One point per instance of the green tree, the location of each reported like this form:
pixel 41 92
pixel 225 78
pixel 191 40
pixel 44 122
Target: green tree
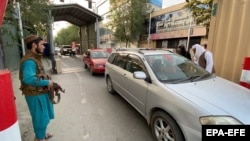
pixel 67 35
pixel 34 14
pixel 127 18
pixel 201 11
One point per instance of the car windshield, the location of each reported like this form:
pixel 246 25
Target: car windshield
pixel 66 47
pixel 172 68
pixel 99 54
pixel 57 48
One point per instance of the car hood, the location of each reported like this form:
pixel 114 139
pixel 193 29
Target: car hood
pixel 217 96
pixel 99 60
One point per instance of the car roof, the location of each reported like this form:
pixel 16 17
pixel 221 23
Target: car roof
pixel 66 46
pixel 97 49
pixel 145 51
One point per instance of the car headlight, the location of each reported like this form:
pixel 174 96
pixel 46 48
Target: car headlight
pixel 219 120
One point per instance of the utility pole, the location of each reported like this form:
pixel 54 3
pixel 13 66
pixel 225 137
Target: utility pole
pixel 20 27
pixel 149 26
pixel 189 31
pixel 51 44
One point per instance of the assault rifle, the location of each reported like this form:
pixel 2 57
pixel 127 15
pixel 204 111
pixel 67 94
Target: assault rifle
pixel 54 91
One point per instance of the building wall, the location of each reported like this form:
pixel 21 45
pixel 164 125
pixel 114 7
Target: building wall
pixel 170 27
pixel 229 37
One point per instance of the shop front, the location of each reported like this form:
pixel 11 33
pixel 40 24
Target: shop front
pixel 173 26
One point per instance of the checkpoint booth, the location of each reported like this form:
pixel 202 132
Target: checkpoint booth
pixel 9 126
pixel 245 73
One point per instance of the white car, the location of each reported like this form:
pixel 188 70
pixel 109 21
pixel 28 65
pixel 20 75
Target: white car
pixel 175 95
pixel 57 50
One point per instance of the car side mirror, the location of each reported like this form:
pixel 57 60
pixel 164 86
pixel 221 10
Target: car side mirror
pixel 139 75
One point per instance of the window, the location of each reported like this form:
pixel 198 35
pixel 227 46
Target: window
pixel 120 60
pixel 134 64
pixel 112 57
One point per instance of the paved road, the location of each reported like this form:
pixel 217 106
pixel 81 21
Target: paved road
pixel 87 112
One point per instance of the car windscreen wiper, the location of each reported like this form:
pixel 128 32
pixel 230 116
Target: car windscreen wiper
pixel 190 78
pixel 203 76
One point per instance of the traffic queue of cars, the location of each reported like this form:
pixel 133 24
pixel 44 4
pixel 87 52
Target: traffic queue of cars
pixel 175 96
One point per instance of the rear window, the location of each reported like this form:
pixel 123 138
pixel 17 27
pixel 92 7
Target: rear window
pixel 66 46
pixel 99 54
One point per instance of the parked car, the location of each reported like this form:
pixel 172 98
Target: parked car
pixel 67 49
pixel 57 50
pixel 175 95
pixel 95 60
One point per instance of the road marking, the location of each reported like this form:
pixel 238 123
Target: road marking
pixel 72 69
pixel 68 56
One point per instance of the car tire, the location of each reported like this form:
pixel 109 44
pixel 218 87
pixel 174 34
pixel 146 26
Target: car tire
pixel 91 71
pixel 110 85
pixel 164 127
pixel 85 66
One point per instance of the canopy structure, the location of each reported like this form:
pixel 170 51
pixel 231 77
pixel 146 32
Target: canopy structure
pixel 75 14
pixel 79 16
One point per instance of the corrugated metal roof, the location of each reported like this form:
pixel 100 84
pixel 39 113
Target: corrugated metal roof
pixel 74 14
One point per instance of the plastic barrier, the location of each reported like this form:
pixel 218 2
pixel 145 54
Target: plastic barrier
pixel 245 74
pixel 9 126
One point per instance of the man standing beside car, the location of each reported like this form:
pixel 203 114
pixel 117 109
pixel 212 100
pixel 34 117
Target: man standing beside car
pixel 203 57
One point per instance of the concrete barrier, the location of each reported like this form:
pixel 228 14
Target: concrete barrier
pixel 58 66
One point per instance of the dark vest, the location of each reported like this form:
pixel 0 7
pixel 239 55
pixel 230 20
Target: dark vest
pixel 202 62
pixel 28 89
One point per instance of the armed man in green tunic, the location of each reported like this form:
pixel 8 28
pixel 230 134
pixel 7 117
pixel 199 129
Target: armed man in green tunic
pixel 32 87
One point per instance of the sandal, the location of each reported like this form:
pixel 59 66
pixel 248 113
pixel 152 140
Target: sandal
pixel 48 136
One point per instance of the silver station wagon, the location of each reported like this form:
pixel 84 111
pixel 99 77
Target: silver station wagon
pixel 175 95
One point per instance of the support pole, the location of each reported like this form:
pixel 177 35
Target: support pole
pixel 20 28
pixel 149 28
pixel 189 32
pixel 51 43
pixel 97 34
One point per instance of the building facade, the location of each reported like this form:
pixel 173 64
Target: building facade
pixel 174 25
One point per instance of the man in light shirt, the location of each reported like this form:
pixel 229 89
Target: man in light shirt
pixel 203 57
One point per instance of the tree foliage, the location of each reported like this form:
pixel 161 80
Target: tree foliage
pixel 66 35
pixel 34 15
pixel 201 11
pixel 127 18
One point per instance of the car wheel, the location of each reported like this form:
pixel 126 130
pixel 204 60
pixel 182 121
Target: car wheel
pixel 85 66
pixel 91 71
pixel 164 128
pixel 110 86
